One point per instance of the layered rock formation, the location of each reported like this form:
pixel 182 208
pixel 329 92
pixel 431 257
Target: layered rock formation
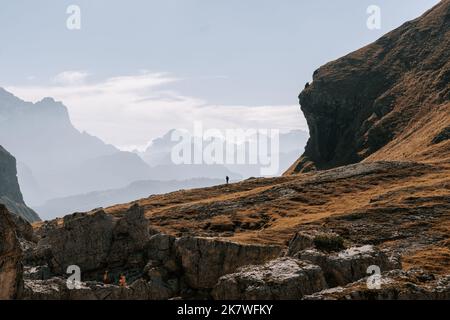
pixel 386 101
pixel 281 279
pixel 10 194
pixel 10 257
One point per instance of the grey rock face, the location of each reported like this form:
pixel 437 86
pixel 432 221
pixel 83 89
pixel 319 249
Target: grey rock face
pixel 10 257
pixel 94 241
pixel 281 279
pixel 204 261
pixel 314 239
pixel 97 241
pixel 349 265
pixel 395 285
pixel 10 194
pixel 361 102
pixel 56 289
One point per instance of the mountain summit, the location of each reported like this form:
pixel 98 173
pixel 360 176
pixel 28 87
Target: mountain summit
pixel 54 158
pixel 386 101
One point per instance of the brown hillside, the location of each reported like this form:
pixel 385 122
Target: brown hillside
pixel 386 101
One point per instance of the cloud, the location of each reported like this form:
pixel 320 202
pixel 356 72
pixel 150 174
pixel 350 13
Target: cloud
pixel 129 111
pixel 70 77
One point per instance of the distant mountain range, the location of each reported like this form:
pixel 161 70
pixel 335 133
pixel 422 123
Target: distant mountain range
pixel 139 189
pixel 54 158
pixel 61 170
pixel 158 155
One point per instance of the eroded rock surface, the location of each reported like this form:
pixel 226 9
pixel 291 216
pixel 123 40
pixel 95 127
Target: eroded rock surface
pixel 349 265
pixel 205 260
pixel 281 279
pixel 394 285
pixel 10 257
pixel 387 98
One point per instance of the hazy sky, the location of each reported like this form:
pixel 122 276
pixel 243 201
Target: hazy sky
pixel 139 68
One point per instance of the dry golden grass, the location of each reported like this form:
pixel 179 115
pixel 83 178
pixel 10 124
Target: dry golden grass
pixel 433 259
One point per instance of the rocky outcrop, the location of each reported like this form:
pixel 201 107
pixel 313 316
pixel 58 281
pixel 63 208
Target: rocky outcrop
pixel 310 271
pixel 327 241
pixel 394 285
pixel 97 241
pixel 10 257
pixel 57 289
pixel 390 98
pixel 206 260
pixel 349 265
pixel 10 194
pixel 281 279
pixel 94 241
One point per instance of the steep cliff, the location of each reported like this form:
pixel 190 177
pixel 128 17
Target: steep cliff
pixel 10 194
pixel 386 101
pixel 10 257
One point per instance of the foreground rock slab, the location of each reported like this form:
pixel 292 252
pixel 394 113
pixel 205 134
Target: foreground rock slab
pixel 394 285
pixel 57 289
pixel 349 265
pixel 282 279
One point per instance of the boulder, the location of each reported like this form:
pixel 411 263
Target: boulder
pixel 56 289
pixel 394 285
pixel 325 241
pixel 204 261
pixel 349 265
pixel 80 239
pixel 94 241
pixel 281 279
pixel 129 238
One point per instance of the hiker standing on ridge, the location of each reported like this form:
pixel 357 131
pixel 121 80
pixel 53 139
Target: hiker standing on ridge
pixel 228 179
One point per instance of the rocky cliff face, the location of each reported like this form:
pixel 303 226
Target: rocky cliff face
pixel 10 194
pixel 389 100
pixel 10 257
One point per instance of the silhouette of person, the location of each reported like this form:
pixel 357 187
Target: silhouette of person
pixel 106 279
pixel 228 179
pixel 122 281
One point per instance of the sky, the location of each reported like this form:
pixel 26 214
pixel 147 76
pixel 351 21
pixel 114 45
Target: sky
pixel 138 68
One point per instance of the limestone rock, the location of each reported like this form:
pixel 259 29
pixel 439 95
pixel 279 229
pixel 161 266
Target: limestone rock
pixel 349 265
pixel 327 241
pixel 56 289
pixel 394 285
pixel 280 279
pixel 204 261
pixel 375 99
pixel 94 241
pixel 10 257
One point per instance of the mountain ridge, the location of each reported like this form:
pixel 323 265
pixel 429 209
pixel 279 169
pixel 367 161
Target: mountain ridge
pixel 378 102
